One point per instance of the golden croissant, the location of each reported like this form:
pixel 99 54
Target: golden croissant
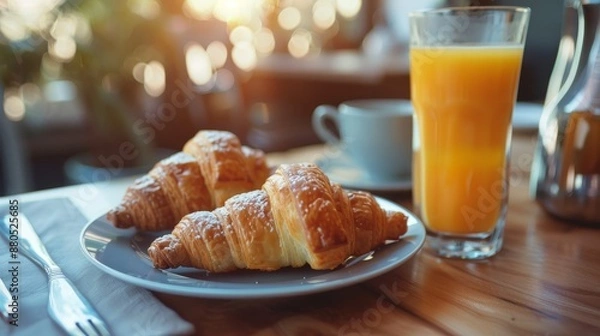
pixel 299 217
pixel 212 167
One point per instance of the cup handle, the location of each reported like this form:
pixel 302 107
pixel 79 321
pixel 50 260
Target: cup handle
pixel 321 114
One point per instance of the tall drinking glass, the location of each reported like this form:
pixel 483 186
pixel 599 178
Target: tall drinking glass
pixel 464 68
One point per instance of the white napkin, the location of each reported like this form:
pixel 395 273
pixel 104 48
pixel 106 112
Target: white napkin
pixel 127 309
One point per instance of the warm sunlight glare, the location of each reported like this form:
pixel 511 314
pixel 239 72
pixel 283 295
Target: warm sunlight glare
pixel 199 66
pixel 217 51
pixel 289 18
pixel 244 56
pixel 230 10
pixel 348 8
pixel 199 9
pixel 154 78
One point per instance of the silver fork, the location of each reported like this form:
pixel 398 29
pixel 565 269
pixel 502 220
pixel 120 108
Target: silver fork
pixel 5 300
pixel 66 305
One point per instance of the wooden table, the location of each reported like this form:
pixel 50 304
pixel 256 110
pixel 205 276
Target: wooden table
pixel 545 281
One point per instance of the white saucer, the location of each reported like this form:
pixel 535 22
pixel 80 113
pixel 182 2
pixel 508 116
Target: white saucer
pixel 526 116
pixel 340 169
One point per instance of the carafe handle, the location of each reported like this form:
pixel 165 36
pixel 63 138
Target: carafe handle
pixel 560 83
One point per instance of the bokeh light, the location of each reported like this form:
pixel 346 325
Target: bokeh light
pixel 264 41
pixel 257 28
pixel 348 8
pixel 244 56
pixel 154 78
pixel 13 28
pixel 234 11
pixel 323 14
pixel 199 66
pixel 217 52
pixel 225 80
pixel 241 34
pixel 14 106
pixel 83 31
pixel 199 9
pixel 29 13
pixel 289 18
pixel 299 44
pixel 148 9
pixel 225 10
pixel 65 25
pixel 255 23
pixel 138 72
pixel 63 48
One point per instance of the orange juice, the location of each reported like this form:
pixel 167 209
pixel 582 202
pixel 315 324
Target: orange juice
pixel 581 146
pixel 463 99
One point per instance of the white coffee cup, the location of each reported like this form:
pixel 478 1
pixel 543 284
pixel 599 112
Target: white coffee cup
pixel 376 134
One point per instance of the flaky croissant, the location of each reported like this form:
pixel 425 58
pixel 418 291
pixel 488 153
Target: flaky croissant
pixel 212 167
pixel 299 217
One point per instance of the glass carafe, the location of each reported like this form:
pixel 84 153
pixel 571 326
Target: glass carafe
pixel 566 169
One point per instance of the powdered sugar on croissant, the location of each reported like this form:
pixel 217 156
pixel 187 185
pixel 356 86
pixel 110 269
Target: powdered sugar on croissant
pixel 299 217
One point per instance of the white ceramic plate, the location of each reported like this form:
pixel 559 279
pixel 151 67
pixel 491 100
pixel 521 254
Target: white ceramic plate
pixel 526 116
pixel 340 169
pixel 122 254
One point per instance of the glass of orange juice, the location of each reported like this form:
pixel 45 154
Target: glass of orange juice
pixel 465 64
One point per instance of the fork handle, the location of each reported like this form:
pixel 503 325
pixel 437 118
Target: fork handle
pixel 64 298
pixel 30 243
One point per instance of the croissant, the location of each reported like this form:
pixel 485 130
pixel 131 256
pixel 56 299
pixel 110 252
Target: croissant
pixel 298 217
pixel 212 167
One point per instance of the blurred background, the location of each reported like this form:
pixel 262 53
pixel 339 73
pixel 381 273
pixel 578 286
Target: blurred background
pixel 118 84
